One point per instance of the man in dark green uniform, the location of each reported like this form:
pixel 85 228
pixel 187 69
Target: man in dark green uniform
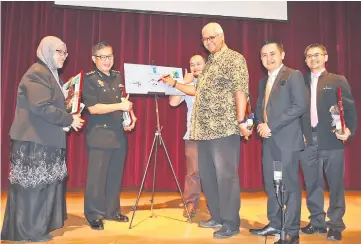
pixel 105 137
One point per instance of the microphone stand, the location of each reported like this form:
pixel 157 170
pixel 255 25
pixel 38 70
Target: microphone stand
pixel 157 139
pixel 281 188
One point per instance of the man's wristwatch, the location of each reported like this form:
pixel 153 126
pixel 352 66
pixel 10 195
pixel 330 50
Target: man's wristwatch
pixel 175 83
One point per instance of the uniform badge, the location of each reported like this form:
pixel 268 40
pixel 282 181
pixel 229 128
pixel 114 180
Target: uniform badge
pixel 120 85
pixel 100 83
pixel 90 73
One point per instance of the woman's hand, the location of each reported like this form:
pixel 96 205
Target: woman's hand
pixel 77 122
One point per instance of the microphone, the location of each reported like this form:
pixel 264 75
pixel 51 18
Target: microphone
pixel 277 175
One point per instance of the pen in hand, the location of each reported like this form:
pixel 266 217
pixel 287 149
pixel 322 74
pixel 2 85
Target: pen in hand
pixel 164 77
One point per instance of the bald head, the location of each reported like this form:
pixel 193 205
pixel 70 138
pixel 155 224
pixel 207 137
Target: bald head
pixel 213 37
pixel 197 57
pixel 215 27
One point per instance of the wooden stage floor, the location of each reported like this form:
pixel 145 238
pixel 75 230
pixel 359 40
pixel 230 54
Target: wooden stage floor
pixel 168 225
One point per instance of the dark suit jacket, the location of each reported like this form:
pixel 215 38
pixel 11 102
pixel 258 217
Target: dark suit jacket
pixel 286 104
pixel 40 109
pixel 326 97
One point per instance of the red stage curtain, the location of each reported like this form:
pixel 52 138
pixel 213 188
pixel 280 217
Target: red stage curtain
pixel 171 41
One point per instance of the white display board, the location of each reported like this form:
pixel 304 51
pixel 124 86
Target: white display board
pixel 143 79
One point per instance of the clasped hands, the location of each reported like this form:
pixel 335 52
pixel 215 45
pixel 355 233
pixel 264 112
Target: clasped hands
pixel 264 131
pixel 77 122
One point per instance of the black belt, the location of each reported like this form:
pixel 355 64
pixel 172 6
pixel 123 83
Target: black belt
pixel 313 129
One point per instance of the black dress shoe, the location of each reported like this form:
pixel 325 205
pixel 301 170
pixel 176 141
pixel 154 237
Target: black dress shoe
pixel 265 231
pixel 96 224
pixel 209 224
pixel 119 218
pixel 309 229
pixel 334 235
pixel 225 232
pixel 289 240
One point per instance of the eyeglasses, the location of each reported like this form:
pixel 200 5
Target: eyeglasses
pixel 104 57
pixel 62 53
pixel 316 55
pixel 210 38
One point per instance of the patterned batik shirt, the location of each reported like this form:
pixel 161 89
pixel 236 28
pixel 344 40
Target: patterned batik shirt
pixel 214 109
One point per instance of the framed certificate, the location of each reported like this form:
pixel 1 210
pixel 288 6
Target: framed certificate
pixel 74 87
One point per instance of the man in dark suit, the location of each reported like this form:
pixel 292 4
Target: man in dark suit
pixel 325 149
pixel 105 137
pixel 281 103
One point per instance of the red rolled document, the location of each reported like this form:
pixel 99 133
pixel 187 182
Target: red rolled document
pixel 340 106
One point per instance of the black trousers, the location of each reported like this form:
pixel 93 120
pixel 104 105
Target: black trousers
pixel 104 179
pixel 313 162
pixel 218 167
pixel 290 178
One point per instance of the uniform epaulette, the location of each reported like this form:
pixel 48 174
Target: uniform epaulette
pixel 90 73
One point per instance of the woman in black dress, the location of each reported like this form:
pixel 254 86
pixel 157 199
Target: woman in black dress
pixel 36 197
